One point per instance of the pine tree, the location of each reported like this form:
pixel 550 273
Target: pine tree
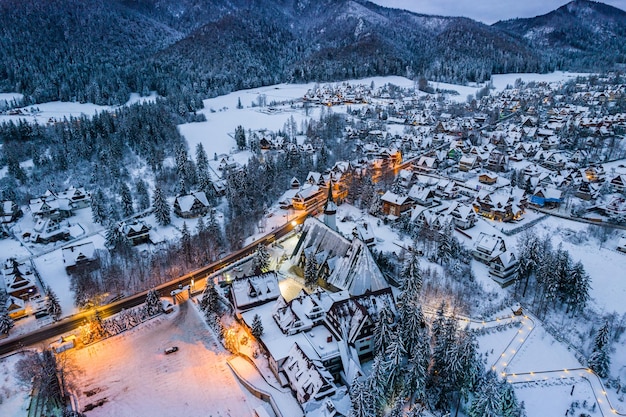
pixel 257 326
pixel 393 366
pixel 310 271
pixel 209 303
pixel 161 207
pixel 52 304
pixel 383 331
pixel 6 323
pixel 445 246
pixel 578 288
pixel 127 200
pixel 361 399
pixel 599 360
pixel 98 207
pixel 261 261
pixel 411 279
pixel 153 303
pixel 185 243
pixel 202 161
pixel 488 401
pixel 508 400
pixel 143 198
pixel 240 138
pixel 417 370
pixel 375 386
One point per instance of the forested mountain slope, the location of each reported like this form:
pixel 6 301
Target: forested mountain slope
pixel 101 50
pixel 581 35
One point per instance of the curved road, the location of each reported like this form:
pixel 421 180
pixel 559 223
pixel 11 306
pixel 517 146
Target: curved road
pixel 73 322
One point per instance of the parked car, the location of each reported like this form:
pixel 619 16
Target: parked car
pixel 171 349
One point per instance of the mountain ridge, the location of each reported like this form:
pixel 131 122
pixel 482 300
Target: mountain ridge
pixel 187 50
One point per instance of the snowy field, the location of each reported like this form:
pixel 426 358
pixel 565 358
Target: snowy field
pixel 14 397
pixel 57 110
pixel 131 376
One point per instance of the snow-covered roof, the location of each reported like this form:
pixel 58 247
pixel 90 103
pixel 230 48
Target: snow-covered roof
pixel 250 291
pixel 73 255
pixel 310 382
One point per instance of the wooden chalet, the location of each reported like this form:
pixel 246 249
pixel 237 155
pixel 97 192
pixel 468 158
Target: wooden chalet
pixel 80 257
pixel 191 205
pixel 136 232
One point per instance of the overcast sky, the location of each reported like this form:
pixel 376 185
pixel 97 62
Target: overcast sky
pixel 487 11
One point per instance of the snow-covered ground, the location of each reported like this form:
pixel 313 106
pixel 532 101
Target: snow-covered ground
pixel 14 397
pixel 132 376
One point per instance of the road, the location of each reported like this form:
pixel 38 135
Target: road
pixel 73 322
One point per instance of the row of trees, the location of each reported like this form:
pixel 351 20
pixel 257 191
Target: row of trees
pixel 552 277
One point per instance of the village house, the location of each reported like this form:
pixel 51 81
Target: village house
pixel 501 205
pixel 618 183
pixel 15 307
pixel 463 215
pixel 191 205
pixel 616 208
pixel 394 205
pixel 249 292
pixel 136 232
pixel 307 197
pixel 19 279
pixel 548 196
pixel 491 250
pixel 80 257
pixel 468 163
pixel 48 230
pixel 78 197
pixel 342 264
pixel 50 207
pixel 421 195
pixel 10 211
pixel 497 161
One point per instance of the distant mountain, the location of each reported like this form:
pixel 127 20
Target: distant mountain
pixel 582 34
pixel 100 50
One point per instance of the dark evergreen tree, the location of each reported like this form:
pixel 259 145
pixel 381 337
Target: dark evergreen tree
pixel 6 323
pixel 600 360
pixel 127 200
pixel 240 137
pixel 488 400
pixel 98 206
pixel 153 303
pixel 508 400
pixel 361 399
pixel 261 260
pixel 310 271
pixel 143 198
pixel 161 207
pixel 210 300
pixel 384 330
pixel 186 246
pixel 53 307
pixel 257 326
pixel 394 367
pixel 202 161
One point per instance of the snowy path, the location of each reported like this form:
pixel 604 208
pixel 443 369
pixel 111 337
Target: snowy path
pixel 282 399
pixel 503 364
